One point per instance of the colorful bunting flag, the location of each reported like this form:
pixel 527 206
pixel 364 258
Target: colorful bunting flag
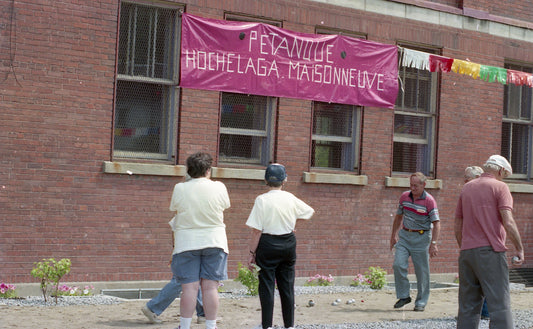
pixel 464 67
pixel 519 78
pixel 440 63
pixel 434 63
pixel 491 74
pixel 415 59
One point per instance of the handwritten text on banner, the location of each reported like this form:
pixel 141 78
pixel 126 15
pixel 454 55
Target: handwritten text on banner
pixel 260 59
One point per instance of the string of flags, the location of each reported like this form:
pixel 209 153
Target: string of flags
pixel 435 63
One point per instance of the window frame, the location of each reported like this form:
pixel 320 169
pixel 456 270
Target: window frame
pixel 267 148
pixel 527 122
pixel 266 152
pixel 354 140
pixel 430 136
pixel 168 138
pixel 357 118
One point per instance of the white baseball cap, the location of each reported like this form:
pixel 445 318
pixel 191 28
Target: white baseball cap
pixel 501 162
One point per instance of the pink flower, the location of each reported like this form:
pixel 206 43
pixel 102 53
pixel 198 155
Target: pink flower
pixel 7 290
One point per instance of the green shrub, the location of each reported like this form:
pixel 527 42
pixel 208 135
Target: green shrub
pixel 375 277
pixel 249 278
pixel 50 272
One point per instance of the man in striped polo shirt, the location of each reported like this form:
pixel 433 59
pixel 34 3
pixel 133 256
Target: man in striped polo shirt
pixel 415 232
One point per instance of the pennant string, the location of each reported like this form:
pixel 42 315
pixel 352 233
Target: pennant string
pixel 491 74
pixel 400 59
pixel 415 59
pixel 440 63
pixel 435 63
pixel 518 78
pixel 467 68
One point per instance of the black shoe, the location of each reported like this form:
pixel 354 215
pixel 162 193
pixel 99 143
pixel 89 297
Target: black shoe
pixel 402 302
pixel 419 309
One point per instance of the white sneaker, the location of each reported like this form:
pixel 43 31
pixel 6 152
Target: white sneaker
pixel 152 317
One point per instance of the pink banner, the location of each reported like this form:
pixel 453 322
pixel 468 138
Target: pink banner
pixel 260 59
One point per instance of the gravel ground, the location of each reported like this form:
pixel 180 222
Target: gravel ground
pixel 107 300
pixel 61 301
pixel 523 319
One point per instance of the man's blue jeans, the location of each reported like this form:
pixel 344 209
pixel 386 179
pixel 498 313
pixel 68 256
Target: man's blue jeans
pixel 168 294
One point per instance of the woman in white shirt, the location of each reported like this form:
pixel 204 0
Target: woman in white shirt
pixel 200 243
pixel 273 244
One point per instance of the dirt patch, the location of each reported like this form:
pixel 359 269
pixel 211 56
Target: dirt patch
pixel 244 313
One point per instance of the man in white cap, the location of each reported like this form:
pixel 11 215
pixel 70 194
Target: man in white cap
pixel 483 219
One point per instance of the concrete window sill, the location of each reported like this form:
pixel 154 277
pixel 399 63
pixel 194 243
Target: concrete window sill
pixel 323 178
pixel 404 182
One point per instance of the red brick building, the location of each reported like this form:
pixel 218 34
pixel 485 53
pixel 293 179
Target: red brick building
pixel 95 131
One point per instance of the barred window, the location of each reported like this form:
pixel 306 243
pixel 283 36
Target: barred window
pixel 415 117
pixel 336 127
pixel 517 125
pixel 335 139
pixel 246 128
pixel 146 82
pixel 246 121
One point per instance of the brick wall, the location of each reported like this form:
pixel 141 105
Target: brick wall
pixel 56 131
pixel 519 10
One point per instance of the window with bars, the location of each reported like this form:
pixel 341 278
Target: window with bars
pixel 415 116
pixel 517 125
pixel 336 127
pixel 146 82
pixel 335 138
pixel 246 121
pixel 246 128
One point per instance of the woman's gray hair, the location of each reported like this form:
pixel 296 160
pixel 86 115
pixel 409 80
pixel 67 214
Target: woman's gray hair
pixel 473 172
pixel 491 167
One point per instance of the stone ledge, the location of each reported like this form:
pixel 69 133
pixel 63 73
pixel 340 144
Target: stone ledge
pixel 520 188
pixel 323 178
pixel 404 182
pixel 253 174
pixel 135 168
pixel 157 169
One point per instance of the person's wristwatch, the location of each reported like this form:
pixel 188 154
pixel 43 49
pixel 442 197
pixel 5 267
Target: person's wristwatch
pixel 434 242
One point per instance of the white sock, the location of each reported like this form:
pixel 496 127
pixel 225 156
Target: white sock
pixel 210 324
pixel 185 323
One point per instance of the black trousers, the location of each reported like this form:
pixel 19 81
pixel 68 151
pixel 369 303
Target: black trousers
pixel 276 256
